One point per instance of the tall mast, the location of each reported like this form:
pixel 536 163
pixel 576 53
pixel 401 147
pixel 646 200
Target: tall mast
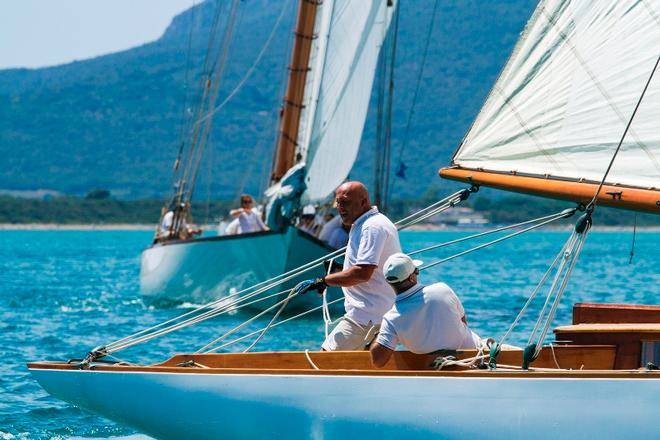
pixel 293 100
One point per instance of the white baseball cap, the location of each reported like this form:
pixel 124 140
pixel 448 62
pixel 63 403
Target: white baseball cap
pixel 399 266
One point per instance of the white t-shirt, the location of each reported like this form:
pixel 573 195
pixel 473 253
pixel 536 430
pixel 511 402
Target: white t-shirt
pixel 166 223
pixel 426 319
pixel 372 239
pixel 250 222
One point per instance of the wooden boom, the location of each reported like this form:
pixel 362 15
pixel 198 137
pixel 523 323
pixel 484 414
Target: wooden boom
pixel 635 199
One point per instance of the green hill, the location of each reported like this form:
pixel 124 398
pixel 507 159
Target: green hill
pixel 114 121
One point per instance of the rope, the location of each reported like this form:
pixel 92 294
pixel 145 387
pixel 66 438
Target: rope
pixel 309 359
pixel 273 319
pixel 245 323
pixel 277 324
pixel 327 319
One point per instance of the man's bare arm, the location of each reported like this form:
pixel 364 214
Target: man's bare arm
pixel 351 276
pixel 379 354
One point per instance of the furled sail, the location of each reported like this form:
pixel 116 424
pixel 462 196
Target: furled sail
pixel 562 102
pixel 344 54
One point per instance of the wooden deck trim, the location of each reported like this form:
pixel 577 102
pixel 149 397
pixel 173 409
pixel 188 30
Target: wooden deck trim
pixel 609 328
pixel 595 358
pixel 531 374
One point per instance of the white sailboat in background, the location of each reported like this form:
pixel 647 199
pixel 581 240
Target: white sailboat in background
pixel 578 77
pixel 330 80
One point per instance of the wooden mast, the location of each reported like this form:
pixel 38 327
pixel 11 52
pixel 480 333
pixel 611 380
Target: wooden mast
pixel 636 199
pixel 293 100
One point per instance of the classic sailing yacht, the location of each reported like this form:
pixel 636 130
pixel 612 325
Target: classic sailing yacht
pixel 330 80
pixel 578 98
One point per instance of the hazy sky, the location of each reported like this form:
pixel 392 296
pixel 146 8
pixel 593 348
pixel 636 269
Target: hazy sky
pixel 36 33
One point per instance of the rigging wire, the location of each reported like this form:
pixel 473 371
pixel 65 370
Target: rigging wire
pixel 418 83
pixel 625 132
pixel 388 117
pixel 632 246
pixel 252 68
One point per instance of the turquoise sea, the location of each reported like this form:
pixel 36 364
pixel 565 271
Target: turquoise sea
pixel 65 292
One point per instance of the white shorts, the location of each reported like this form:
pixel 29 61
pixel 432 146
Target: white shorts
pixel 349 335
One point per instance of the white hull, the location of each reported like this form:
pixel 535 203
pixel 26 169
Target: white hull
pixel 202 270
pixel 300 406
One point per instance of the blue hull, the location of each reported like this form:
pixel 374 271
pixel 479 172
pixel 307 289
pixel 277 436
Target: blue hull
pixel 201 270
pixel 306 406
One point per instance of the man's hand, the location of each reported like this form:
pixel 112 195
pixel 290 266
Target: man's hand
pixel 317 284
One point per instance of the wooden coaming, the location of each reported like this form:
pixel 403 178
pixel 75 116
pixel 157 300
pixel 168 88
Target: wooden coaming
pixel 592 313
pixel 626 337
pixel 595 361
pixel 637 199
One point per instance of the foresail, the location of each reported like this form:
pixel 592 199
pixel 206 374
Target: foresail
pixel 343 62
pixel 562 102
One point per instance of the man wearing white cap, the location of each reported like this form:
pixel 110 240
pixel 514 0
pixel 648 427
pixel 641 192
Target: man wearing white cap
pixel 424 318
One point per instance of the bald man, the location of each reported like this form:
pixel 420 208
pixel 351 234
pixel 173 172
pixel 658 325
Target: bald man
pixel 372 239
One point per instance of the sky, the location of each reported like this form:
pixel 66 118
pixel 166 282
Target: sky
pixel 38 33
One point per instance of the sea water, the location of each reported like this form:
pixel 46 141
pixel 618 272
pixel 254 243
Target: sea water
pixel 65 292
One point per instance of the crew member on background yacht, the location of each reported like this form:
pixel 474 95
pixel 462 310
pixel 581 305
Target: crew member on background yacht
pixel 424 318
pixel 248 217
pixel 372 239
pixel 307 223
pixel 185 230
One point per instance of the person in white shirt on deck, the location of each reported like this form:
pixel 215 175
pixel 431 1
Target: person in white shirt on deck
pixel 372 239
pixel 424 318
pixel 249 219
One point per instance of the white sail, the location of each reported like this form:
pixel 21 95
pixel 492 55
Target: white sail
pixel 562 102
pixel 343 62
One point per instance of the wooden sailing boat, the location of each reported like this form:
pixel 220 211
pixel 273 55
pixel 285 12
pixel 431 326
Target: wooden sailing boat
pixel 596 383
pixel 325 107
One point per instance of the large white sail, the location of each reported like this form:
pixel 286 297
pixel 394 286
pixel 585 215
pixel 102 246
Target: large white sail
pixel 343 62
pixel 562 102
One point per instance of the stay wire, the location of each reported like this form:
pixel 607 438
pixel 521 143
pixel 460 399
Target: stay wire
pixel 623 136
pixel 562 288
pixel 492 242
pixel 418 83
pixel 564 214
pixel 252 68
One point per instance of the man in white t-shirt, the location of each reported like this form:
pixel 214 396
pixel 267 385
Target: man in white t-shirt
pixel 372 238
pixel 424 318
pixel 248 217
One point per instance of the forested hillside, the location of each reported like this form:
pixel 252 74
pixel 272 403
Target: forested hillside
pixel 114 121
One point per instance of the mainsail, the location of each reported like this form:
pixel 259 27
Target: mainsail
pixel 349 35
pixel 563 100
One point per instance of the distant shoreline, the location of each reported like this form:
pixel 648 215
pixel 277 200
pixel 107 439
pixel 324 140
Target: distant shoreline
pixel 152 227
